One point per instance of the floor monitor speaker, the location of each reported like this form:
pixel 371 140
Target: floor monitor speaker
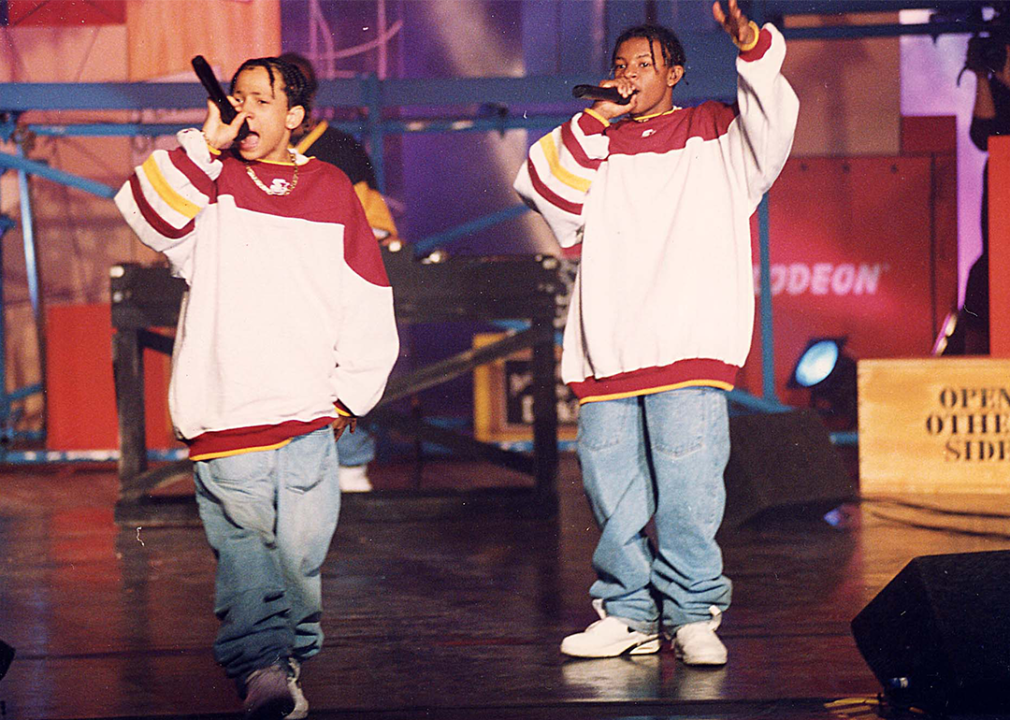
pixel 938 635
pixel 782 462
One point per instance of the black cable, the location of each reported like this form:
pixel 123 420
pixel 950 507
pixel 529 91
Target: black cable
pixel 939 528
pixel 935 509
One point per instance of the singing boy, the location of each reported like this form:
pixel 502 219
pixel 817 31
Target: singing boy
pixel 660 320
pixel 287 328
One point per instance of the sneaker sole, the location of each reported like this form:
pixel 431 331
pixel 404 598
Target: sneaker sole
pixel 646 648
pixel 272 710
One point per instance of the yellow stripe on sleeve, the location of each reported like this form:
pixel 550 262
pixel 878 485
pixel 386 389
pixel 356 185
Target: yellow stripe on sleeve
pixel 174 200
pixel 568 178
pixel 593 113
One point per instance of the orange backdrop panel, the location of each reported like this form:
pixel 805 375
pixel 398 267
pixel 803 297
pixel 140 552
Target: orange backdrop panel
pixel 80 393
pixel 164 36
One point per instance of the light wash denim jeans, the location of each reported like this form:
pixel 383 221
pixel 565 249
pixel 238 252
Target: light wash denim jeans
pixel 661 456
pixel 357 448
pixel 270 516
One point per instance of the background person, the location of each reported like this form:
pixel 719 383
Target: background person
pixel 316 138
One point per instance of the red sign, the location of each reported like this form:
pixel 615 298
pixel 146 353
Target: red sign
pixel 855 252
pixel 46 13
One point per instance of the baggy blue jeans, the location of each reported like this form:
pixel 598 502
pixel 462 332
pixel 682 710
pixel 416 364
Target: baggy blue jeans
pixel 657 456
pixel 270 516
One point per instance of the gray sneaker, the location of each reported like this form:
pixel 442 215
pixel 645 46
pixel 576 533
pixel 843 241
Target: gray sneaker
pixel 301 709
pixel 267 696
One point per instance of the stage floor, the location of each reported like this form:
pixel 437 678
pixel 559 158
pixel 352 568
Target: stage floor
pixel 446 619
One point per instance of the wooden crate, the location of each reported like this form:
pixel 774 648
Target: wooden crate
pixel 938 425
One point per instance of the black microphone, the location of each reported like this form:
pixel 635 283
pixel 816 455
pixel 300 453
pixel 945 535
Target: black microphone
pixel 214 91
pixel 595 92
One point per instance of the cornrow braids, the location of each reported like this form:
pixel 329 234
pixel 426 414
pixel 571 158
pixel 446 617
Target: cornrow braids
pixel 673 51
pixel 296 85
pixel 302 63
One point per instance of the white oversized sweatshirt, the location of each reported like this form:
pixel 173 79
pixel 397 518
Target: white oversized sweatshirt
pixel 664 296
pixel 288 318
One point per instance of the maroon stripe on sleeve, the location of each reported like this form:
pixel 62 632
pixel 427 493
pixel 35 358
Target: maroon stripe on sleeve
pixel 153 218
pixel 550 196
pixel 572 145
pixel 758 51
pixel 361 249
pixel 193 173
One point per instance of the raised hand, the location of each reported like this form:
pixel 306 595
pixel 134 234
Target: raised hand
pixel 735 23
pixel 216 132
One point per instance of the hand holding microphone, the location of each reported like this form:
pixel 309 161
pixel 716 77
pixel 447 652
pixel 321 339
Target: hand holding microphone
pixel 226 116
pixel 612 96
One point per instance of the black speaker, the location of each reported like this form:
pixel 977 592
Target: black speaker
pixel 938 635
pixel 6 657
pixel 782 462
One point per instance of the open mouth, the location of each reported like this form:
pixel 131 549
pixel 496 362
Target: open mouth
pixel 250 141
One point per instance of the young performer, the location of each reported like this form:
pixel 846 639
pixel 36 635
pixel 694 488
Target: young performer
pixel 287 328
pixel 316 138
pixel 661 319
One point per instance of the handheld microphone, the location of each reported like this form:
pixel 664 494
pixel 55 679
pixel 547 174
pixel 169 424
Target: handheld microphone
pixel 214 91
pixel 595 92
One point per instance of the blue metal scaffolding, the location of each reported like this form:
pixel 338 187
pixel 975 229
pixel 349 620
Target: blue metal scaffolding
pixel 522 99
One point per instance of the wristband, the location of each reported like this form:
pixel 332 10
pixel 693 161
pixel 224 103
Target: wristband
pixel 213 150
pixel 753 43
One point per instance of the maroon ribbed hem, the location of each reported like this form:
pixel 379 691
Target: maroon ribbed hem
pixel 220 443
pixel 684 373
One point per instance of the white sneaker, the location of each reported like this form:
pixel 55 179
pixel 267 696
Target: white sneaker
pixel 301 709
pixel 697 644
pixel 354 478
pixel 609 637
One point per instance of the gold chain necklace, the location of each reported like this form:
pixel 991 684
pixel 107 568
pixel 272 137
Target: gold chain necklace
pixel 279 187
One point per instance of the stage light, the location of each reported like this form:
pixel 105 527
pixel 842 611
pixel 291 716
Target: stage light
pixel 435 257
pixel 6 658
pixel 943 340
pixel 830 375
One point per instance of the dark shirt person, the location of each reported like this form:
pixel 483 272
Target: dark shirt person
pixel 990 117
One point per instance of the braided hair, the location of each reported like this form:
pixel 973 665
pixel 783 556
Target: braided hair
pixel 296 85
pixel 673 51
pixel 302 63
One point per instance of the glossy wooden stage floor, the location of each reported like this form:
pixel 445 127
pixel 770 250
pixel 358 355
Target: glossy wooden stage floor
pixel 446 620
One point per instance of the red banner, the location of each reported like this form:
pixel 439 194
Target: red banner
pixel 857 251
pixel 47 13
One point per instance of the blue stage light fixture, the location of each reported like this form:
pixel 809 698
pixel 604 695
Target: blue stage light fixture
pixel 817 362
pixel 830 375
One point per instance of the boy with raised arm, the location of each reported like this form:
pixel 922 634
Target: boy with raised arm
pixel 660 320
